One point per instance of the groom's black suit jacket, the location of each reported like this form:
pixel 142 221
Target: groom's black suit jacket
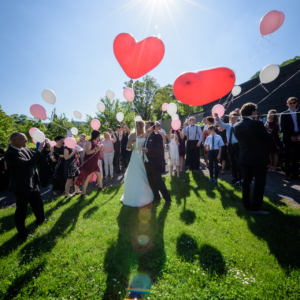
pixel 154 144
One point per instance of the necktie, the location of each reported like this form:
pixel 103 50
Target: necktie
pixel 213 142
pixel 296 128
pixel 230 135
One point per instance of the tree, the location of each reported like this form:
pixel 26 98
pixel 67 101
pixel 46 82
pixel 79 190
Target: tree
pixel 144 95
pixel 6 128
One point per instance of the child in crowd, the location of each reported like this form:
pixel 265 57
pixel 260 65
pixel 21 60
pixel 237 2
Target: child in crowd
pixel 173 154
pixel 213 145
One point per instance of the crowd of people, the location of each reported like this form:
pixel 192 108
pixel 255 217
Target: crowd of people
pixel 251 146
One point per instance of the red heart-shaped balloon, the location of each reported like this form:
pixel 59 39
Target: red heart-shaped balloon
pixel 202 87
pixel 138 58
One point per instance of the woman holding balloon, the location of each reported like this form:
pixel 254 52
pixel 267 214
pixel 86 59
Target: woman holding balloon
pixel 90 164
pixel 108 153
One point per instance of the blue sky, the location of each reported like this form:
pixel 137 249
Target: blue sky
pixel 67 46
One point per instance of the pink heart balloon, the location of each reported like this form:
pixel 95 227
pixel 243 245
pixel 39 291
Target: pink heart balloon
pixel 70 142
pixel 176 124
pixel 128 94
pixel 219 109
pixel 271 22
pixel 95 124
pixel 164 107
pixel 38 111
pixel 32 130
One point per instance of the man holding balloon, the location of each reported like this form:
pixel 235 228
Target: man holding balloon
pixel 24 180
pixel 194 139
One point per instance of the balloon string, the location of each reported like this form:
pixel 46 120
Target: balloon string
pixel 59 125
pixel 264 87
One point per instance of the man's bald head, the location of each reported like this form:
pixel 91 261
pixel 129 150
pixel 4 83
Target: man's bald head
pixel 18 140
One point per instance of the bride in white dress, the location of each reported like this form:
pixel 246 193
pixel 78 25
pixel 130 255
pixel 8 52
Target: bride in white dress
pixel 137 191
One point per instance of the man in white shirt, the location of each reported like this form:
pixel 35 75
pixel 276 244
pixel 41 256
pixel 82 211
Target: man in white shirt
pixel 194 139
pixel 215 143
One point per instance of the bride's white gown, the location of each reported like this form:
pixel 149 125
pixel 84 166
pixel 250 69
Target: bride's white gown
pixel 137 191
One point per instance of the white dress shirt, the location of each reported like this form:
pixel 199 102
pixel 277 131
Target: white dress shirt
pixel 218 142
pixel 194 132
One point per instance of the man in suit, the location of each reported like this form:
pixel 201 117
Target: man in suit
pixel 117 147
pixel 290 128
pixel 194 139
pixel 24 180
pixel 253 155
pixel 153 150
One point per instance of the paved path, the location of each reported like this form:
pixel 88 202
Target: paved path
pixel 277 186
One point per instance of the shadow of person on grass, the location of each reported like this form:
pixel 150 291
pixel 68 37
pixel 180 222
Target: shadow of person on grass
pixel 140 243
pixel 280 230
pixel 208 256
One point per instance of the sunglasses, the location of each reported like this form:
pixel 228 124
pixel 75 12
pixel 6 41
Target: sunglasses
pixel 292 103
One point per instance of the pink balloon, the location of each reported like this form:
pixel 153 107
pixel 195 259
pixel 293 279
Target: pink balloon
pixel 38 111
pixel 70 142
pixel 164 107
pixel 32 130
pixel 219 109
pixel 34 141
pixel 271 22
pixel 128 94
pixel 52 143
pixel 176 124
pixel 95 124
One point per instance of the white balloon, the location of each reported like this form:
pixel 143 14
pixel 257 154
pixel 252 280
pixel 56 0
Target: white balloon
pixel 38 136
pixel 174 117
pixel 120 116
pixel 74 130
pixel 138 118
pixel 110 94
pixel 49 96
pixel 101 107
pixel 77 114
pixel 269 73
pixel 172 109
pixel 236 90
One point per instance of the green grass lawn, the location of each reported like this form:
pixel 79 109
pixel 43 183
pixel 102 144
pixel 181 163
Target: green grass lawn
pixel 205 246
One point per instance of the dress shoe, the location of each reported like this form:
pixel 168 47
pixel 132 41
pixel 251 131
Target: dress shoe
pixel 289 178
pixel 167 204
pixel 260 212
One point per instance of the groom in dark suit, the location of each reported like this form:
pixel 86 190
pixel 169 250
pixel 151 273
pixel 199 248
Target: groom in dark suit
pixel 153 150
pixel 24 180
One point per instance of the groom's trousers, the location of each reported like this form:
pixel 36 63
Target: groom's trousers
pixel 156 183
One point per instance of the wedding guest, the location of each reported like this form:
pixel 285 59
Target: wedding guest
pixel 187 156
pixel 173 154
pixel 209 122
pixel 45 165
pixel 253 138
pixel 162 157
pixel 90 164
pixel 108 153
pixel 194 139
pixel 290 128
pixel 274 146
pixel 162 132
pixel 222 133
pixel 238 112
pixel 213 144
pixel 125 154
pixel 71 170
pixel 181 145
pixel 233 146
pixel 117 148
pixel 57 157
pixel 24 180
pixel 81 143
pixel 2 169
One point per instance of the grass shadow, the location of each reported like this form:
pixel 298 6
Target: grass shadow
pixel 140 243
